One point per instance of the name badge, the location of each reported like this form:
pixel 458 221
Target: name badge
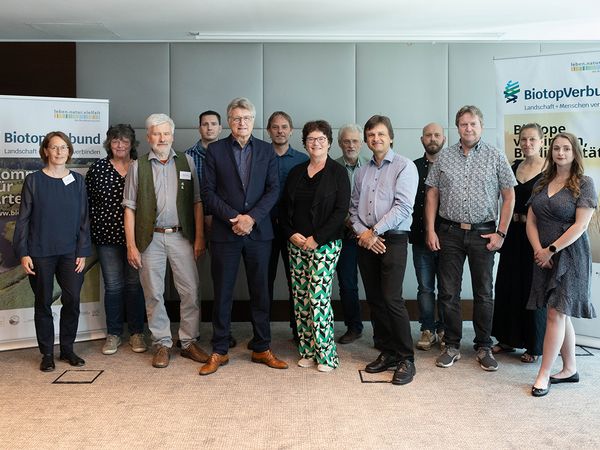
pixel 68 179
pixel 185 175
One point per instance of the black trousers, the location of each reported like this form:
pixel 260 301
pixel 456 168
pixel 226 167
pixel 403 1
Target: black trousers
pixel 42 284
pixel 382 277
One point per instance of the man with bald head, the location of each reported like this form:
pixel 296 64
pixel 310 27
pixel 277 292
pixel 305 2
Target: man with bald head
pixel 424 260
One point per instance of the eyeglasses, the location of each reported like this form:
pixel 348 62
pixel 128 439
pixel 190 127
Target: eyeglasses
pixel 58 147
pixel 351 142
pixel 320 140
pixel 241 119
pixel 120 141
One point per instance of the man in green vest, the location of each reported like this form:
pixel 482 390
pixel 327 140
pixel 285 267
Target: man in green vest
pixel 164 221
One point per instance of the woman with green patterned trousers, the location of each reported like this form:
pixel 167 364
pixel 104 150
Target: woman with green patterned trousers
pixel 312 211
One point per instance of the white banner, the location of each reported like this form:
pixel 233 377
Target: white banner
pixel 24 121
pixel 561 93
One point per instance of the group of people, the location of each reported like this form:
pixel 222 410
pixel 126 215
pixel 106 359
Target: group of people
pixel 257 201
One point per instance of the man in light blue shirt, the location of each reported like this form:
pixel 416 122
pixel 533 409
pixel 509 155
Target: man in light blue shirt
pixel 381 214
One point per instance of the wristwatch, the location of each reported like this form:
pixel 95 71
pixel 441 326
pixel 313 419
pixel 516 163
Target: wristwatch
pixel 501 234
pixel 374 231
pixel 552 248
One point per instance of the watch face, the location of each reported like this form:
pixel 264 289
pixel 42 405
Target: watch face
pixel 552 248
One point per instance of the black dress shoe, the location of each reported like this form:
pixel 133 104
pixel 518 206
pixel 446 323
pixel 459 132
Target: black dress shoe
pixel 405 373
pixel 572 379
pixel 383 362
pixel 47 364
pixel 540 392
pixel 72 359
pixel 350 336
pixel 232 341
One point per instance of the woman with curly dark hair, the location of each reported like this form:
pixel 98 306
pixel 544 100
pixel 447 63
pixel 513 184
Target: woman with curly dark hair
pixel 122 290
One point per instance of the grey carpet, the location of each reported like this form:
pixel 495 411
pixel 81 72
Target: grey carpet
pixel 129 404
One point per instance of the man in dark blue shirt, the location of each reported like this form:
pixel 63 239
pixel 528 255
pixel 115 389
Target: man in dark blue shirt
pixel 280 129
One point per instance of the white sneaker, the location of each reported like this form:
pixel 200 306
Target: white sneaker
pixel 324 368
pixel 138 343
pixel 426 340
pixel 305 362
pixel 111 345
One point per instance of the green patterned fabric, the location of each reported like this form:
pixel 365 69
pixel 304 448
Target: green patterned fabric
pixel 312 275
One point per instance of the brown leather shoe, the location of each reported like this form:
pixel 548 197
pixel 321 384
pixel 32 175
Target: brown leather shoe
pixel 194 352
pixel 214 361
pixel 161 357
pixel 267 357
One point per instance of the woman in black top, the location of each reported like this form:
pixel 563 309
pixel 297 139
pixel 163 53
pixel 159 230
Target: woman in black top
pixel 122 290
pixel 514 326
pixel 52 237
pixel 313 208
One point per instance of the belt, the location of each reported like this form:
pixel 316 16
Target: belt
pixel 519 218
pixel 395 232
pixel 167 230
pixel 470 226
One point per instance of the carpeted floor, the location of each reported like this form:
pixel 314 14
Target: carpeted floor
pixel 120 401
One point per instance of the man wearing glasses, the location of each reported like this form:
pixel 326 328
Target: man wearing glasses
pixel 241 186
pixel 350 142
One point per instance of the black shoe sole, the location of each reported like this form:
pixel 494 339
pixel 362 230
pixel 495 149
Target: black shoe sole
pixel 572 379
pixel 383 369
pixel 73 363
pixel 402 382
pixel 540 392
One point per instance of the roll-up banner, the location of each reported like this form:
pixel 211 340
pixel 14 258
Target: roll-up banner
pixel 561 92
pixel 24 121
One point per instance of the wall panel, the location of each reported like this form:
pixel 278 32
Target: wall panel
pixel 134 77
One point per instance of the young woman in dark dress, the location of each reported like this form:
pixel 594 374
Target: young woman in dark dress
pixel 514 326
pixel 560 211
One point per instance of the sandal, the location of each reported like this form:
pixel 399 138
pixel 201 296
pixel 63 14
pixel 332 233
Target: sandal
pixel 502 348
pixel 527 358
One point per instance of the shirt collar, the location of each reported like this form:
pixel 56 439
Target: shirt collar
pixel 352 166
pixel 234 143
pixel 475 147
pixel 152 155
pixel 199 148
pixel 290 152
pixel 389 156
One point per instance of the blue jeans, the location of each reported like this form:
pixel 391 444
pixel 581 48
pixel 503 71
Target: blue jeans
pixel 122 291
pixel 426 266
pixel 457 245
pixel 347 272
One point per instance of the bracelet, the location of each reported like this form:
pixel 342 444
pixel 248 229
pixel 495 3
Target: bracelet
pixel 501 234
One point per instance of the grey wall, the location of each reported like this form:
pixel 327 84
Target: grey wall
pixel 412 83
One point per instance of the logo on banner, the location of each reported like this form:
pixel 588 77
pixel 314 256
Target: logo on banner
pixel 511 90
pixel 588 66
pixel 78 115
